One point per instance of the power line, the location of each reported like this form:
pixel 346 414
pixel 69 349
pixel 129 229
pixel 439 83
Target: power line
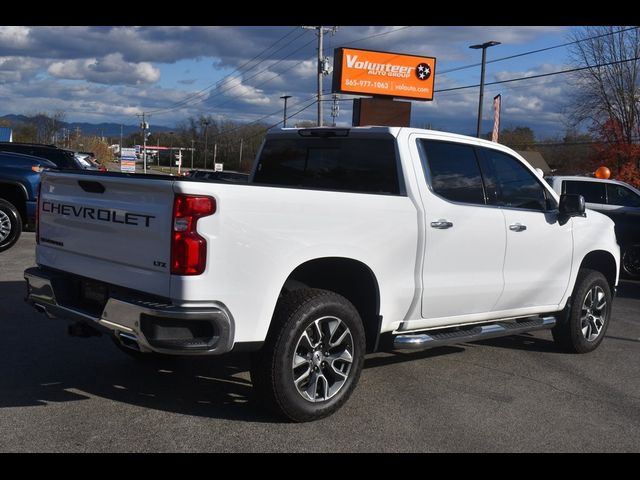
pixel 221 90
pixel 214 85
pixel 244 125
pixel 539 75
pixel 237 70
pixel 200 96
pixel 537 51
pixel 278 74
pixel 377 35
pixel 289 118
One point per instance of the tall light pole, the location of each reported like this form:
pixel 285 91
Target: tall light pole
pixel 285 98
pixel 484 47
pixel 206 141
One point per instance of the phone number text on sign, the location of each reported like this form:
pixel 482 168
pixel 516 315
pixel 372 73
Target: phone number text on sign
pixel 366 83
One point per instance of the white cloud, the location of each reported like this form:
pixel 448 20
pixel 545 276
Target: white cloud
pixel 16 37
pixel 116 71
pixel 233 87
pixel 110 69
pixel 18 69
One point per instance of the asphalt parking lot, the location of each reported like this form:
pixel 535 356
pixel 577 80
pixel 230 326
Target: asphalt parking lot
pixel 519 394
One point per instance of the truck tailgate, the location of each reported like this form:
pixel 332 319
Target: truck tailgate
pixel 112 228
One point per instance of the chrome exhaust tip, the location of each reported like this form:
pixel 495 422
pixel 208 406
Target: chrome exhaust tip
pixel 128 340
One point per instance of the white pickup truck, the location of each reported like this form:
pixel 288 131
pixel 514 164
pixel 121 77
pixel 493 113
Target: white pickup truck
pixel 343 241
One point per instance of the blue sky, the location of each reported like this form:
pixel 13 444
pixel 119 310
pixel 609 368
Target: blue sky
pixel 108 74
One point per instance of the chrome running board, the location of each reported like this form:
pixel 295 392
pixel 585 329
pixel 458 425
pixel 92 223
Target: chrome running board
pixel 436 338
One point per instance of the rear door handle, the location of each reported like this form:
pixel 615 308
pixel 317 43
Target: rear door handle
pixel 517 227
pixel 441 224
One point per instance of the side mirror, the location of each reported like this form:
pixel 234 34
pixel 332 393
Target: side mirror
pixel 571 205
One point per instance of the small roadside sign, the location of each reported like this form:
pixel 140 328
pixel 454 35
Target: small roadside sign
pixel 128 154
pixel 128 160
pixel 217 167
pixel 128 166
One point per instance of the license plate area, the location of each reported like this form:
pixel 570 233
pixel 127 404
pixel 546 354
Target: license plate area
pixel 93 294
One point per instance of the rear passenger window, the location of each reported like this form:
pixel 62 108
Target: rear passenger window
pixel 517 186
pixel 620 195
pixel 454 171
pixel 593 192
pixel 365 165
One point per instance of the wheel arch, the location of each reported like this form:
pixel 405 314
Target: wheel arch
pixel 605 263
pixel 350 278
pixel 16 194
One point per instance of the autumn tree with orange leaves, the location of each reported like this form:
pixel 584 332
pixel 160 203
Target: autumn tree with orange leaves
pixel 607 95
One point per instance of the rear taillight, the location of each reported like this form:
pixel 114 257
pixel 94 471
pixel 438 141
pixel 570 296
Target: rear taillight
pixel 38 213
pixel 188 249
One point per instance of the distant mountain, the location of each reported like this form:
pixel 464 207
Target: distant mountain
pixel 100 129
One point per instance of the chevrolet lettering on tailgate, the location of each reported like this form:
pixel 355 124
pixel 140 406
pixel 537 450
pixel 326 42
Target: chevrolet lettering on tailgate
pixel 102 214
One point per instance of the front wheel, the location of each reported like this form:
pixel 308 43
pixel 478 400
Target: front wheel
pixel 10 225
pixel 313 356
pixel 583 327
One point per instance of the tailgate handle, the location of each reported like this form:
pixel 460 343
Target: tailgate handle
pixel 91 187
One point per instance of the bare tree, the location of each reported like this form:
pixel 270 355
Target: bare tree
pixel 607 93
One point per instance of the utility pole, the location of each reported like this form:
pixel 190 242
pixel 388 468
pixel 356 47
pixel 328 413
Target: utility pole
pixel 192 142
pixel 144 126
pixel 240 160
pixel 206 141
pixel 215 153
pixel 323 63
pixel 121 135
pixel 335 108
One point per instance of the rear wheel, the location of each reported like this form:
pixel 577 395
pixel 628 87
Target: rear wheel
pixel 10 225
pixel 584 325
pixel 313 356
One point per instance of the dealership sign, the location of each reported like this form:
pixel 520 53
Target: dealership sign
pixel 388 74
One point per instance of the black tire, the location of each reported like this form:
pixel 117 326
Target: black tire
pixel 584 324
pixel 10 225
pixel 292 333
pixel 631 261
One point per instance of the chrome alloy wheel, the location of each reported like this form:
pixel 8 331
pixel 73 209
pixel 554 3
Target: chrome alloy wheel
pixel 5 226
pixel 594 313
pixel 322 359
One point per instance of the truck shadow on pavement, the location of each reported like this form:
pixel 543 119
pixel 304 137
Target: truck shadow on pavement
pixel 42 365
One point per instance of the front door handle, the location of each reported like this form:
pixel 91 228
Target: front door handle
pixel 441 224
pixel 517 227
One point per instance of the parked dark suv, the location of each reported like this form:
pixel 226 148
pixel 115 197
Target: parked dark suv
pixel 19 180
pixel 63 159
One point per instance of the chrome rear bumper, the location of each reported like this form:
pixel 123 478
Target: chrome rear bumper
pixel 151 326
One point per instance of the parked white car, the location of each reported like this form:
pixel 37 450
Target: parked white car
pixel 620 202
